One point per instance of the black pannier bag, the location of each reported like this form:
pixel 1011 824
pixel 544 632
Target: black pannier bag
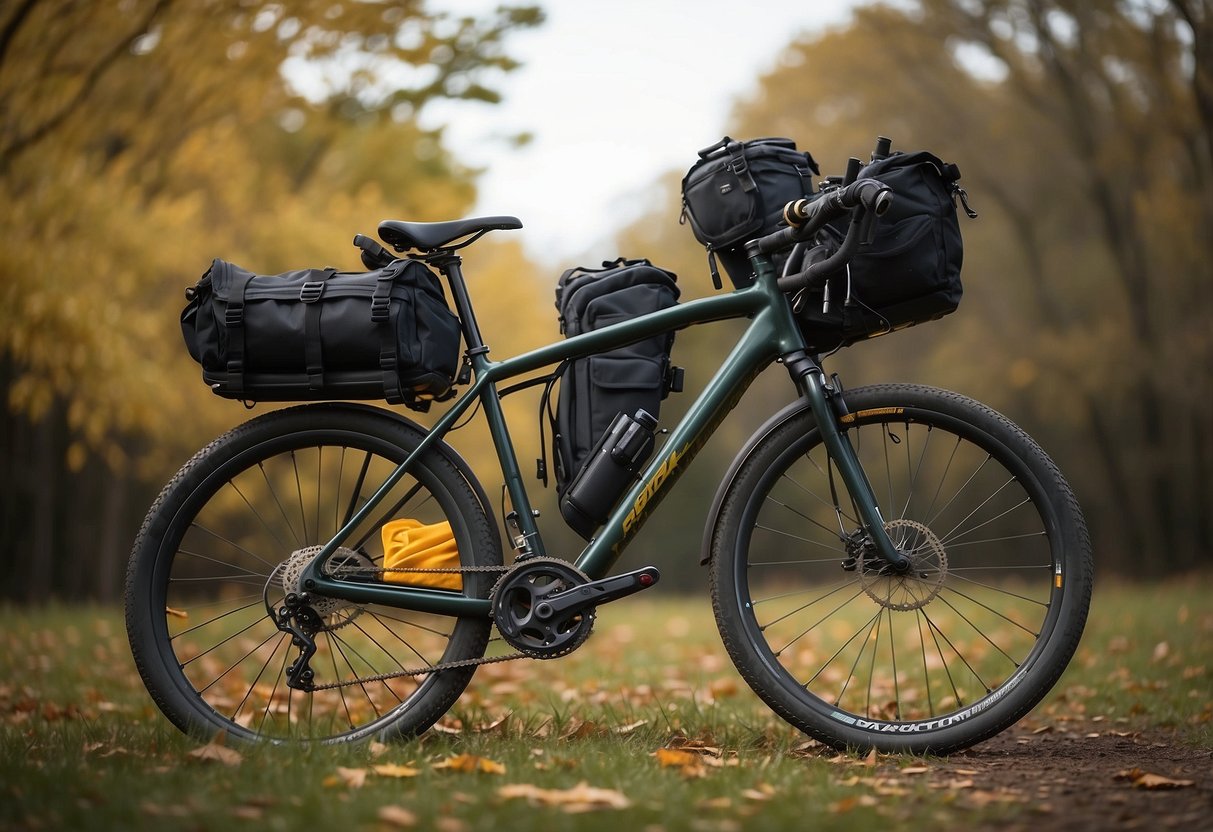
pixel 909 274
pixel 323 334
pixel 596 389
pixel 736 192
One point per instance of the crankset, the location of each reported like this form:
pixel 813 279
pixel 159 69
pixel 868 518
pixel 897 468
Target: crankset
pixel 545 607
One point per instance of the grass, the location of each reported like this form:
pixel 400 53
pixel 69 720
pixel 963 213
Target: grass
pixel 83 747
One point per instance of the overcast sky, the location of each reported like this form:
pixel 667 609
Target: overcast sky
pixel 616 92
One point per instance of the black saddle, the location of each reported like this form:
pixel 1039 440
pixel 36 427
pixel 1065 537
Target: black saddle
pixel 432 236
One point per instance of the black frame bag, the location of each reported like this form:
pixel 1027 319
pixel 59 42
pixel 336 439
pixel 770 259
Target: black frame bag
pixel 595 389
pixel 317 334
pixel 910 272
pixel 736 192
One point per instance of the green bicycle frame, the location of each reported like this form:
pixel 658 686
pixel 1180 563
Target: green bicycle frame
pixel 772 334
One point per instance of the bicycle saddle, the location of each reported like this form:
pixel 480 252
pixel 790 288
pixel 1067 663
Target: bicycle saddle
pixel 430 236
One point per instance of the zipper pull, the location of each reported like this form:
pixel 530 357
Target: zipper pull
pixel 964 200
pixel 712 267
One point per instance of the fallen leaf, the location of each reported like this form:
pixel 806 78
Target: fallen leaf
pixel 675 757
pixel 1146 780
pixel 849 803
pixel 631 726
pixel 581 798
pixel 870 760
pixel 394 770
pixel 352 778
pixel 583 730
pixel 915 770
pixel 470 763
pixel 763 791
pixel 688 764
pixel 378 749
pixel 499 724
pixel 1161 651
pixel 216 752
pixel 397 816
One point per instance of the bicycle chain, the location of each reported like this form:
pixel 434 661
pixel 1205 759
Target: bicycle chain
pixel 435 668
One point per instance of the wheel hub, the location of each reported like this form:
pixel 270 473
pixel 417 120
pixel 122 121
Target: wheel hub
pixel 525 620
pixel 920 584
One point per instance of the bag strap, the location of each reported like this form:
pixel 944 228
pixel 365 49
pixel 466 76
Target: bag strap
pixel 234 321
pixel 313 352
pixel 740 167
pixel 381 317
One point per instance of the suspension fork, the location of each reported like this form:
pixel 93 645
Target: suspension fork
pixel 810 379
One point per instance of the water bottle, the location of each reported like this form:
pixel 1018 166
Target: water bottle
pixel 608 470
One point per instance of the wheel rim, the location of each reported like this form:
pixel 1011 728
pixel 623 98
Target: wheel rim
pixel 908 653
pixel 230 552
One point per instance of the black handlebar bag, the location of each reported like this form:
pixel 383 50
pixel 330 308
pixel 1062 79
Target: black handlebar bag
pixel 317 334
pixel 908 274
pixel 736 192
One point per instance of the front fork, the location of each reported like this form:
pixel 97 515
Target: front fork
pixel 810 380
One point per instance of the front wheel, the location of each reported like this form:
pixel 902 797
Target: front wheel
pixel 225 544
pixel 935 660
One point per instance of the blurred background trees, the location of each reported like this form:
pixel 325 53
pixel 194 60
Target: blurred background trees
pixel 140 139
pixel 137 141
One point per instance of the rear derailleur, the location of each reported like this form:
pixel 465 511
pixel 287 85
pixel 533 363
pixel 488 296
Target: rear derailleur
pixel 296 617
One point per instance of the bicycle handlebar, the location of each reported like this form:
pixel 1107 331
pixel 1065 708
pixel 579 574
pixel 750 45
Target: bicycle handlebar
pixel 861 198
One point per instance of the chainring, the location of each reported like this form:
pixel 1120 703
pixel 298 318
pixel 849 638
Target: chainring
pixel 516 596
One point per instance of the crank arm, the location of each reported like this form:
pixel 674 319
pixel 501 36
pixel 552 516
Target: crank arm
pixel 587 596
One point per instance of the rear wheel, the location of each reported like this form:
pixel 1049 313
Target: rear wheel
pixel 938 659
pixel 224 546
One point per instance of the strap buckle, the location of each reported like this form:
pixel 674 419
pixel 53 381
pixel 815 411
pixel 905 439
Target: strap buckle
pixel 233 316
pixel 312 291
pixel 381 301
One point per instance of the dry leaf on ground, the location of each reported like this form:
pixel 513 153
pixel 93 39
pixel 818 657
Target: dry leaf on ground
pixel 581 798
pixel 470 764
pixel 1147 780
pixel 393 770
pixel 216 752
pixel 397 816
pixel 354 778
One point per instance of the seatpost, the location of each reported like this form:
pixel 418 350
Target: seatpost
pixel 451 266
pixel 809 378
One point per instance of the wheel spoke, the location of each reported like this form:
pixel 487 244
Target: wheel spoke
pixel 260 610
pixel 281 510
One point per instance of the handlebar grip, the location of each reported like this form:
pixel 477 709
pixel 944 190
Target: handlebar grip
pixel 784 238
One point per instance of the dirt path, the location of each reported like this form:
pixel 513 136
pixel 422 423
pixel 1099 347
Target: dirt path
pixel 1095 781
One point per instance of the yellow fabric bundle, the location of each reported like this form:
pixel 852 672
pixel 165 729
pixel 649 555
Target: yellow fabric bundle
pixel 409 543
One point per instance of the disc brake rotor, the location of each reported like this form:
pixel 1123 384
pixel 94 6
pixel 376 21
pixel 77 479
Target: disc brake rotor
pixel 921 583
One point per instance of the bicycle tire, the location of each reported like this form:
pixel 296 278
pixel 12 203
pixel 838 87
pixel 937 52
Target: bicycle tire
pixel 214 553
pixel 960 649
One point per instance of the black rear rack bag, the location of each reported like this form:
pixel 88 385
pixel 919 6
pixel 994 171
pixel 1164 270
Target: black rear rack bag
pixel 318 334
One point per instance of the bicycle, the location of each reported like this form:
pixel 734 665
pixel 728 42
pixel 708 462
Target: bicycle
pixel 258 604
